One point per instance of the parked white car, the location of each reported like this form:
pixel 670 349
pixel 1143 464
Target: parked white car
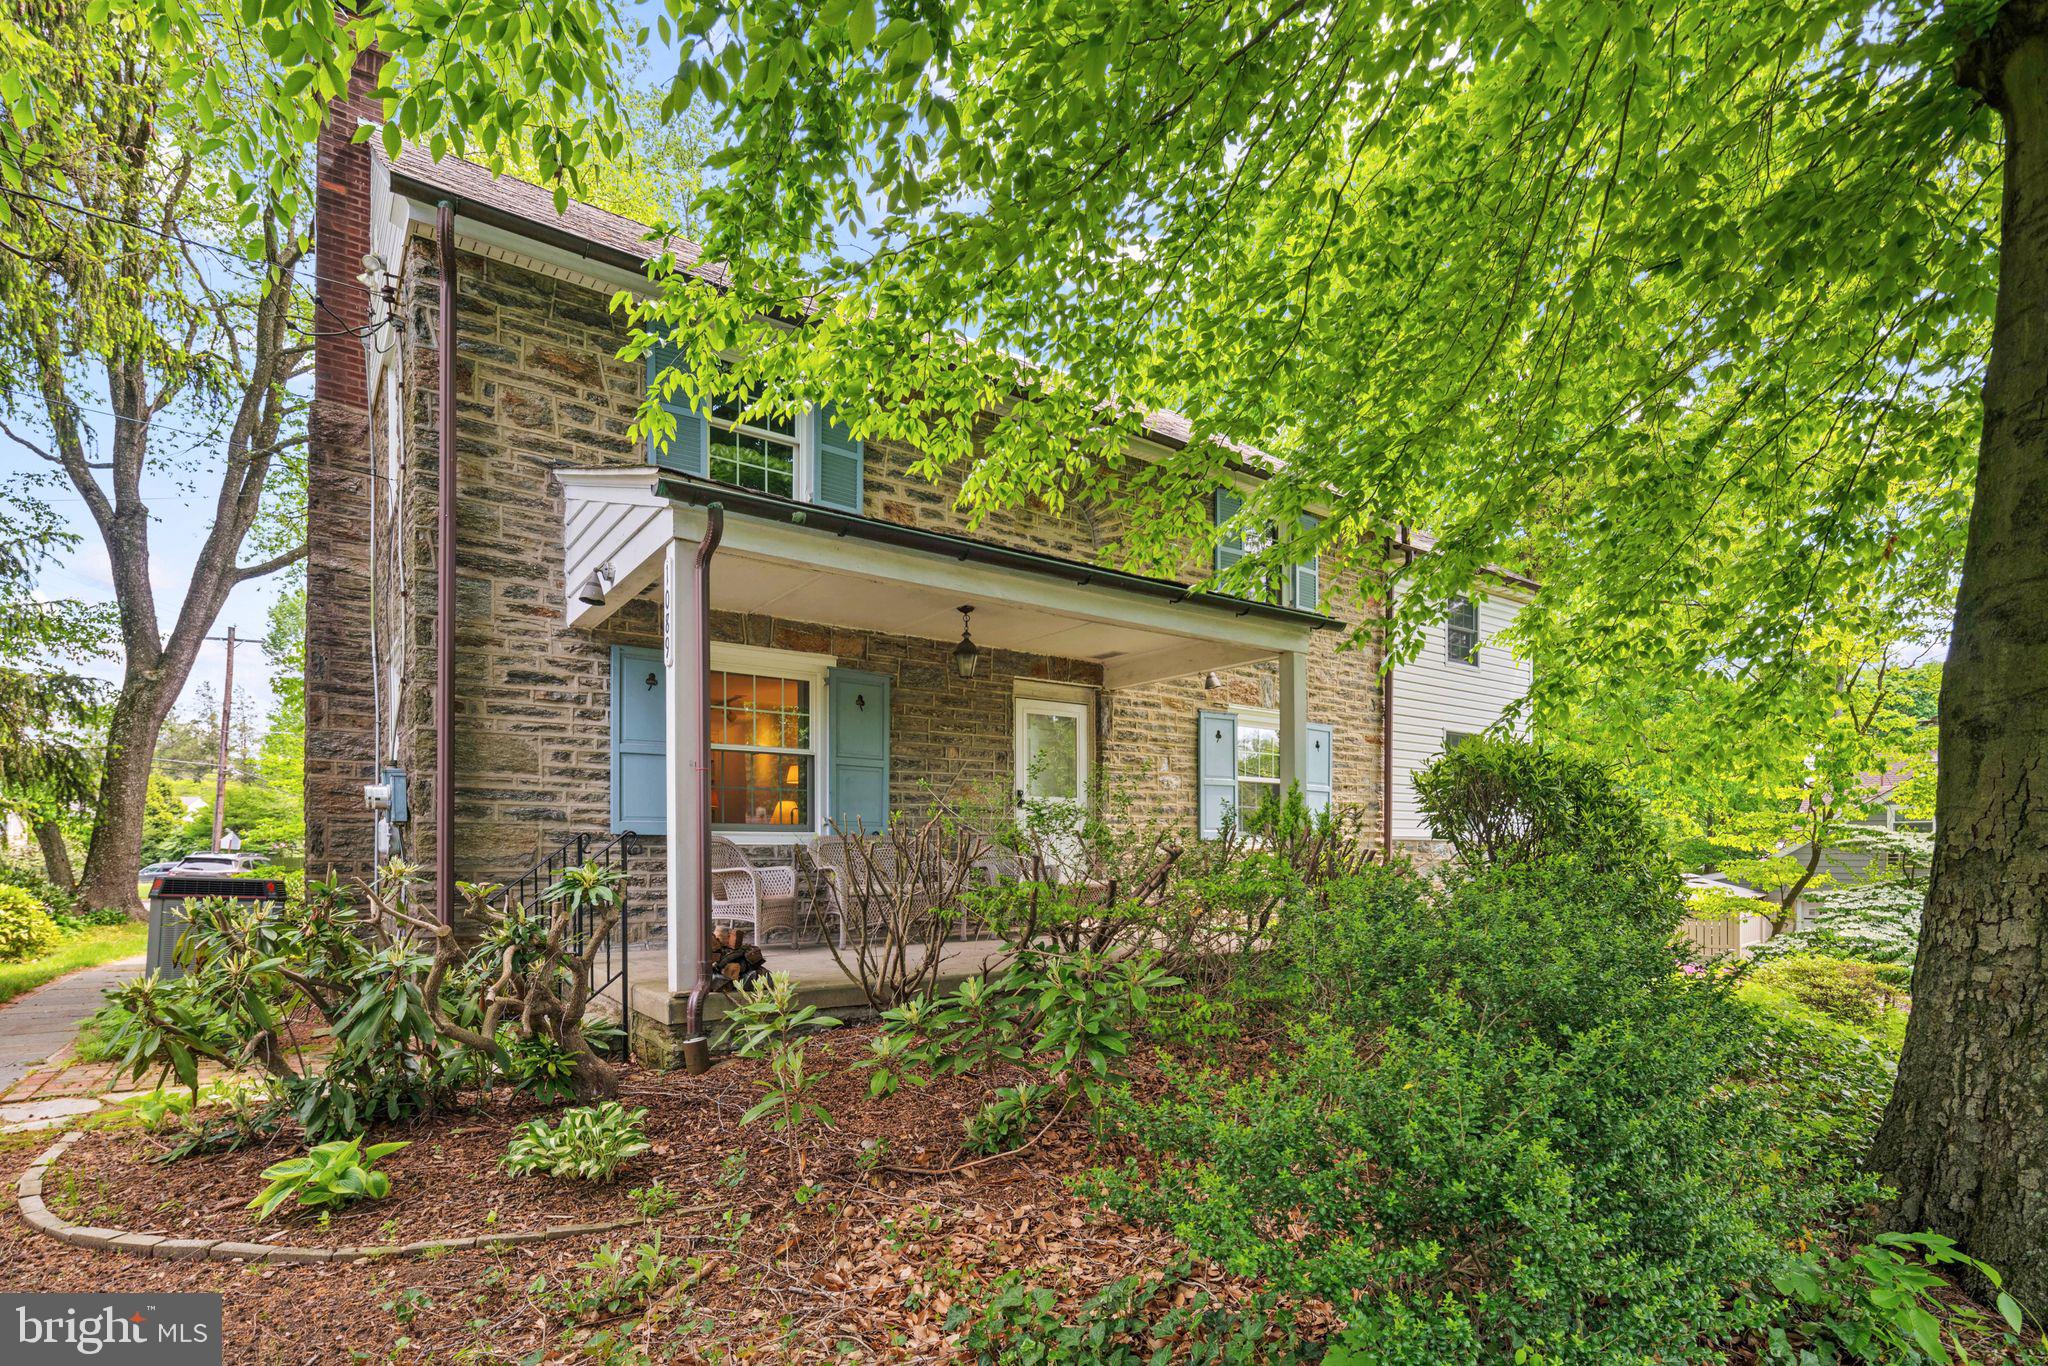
pixel 218 865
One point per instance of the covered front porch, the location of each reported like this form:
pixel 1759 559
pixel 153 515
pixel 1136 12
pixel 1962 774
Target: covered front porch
pixel 773 747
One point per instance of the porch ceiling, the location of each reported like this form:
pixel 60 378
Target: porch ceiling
pixel 814 565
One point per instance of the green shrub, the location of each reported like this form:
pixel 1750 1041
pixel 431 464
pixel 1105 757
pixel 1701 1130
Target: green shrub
pixel 541 1068
pixel 102 917
pixel 55 898
pixel 590 1142
pixel 1005 1119
pixel 26 929
pixel 1549 947
pixel 1590 1199
pixel 1069 1016
pixel 616 1280
pixel 1510 801
pixel 1506 1122
pixel 1887 1301
pixel 331 1174
pixel 1827 1085
pixel 1846 989
pixel 1116 1326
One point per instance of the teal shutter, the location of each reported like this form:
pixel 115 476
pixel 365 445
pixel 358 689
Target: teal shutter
pixel 1308 578
pixel 639 741
pixel 842 464
pixel 688 449
pixel 1216 771
pixel 859 750
pixel 1230 548
pixel 1318 784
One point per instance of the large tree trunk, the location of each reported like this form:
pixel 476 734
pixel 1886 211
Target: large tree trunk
pixel 1965 1138
pixel 114 854
pixel 56 855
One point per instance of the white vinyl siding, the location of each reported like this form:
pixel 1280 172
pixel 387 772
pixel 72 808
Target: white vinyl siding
pixel 1435 698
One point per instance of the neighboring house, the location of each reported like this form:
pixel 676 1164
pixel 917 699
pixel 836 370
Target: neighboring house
pixel 1458 684
pixel 835 695
pixel 1842 865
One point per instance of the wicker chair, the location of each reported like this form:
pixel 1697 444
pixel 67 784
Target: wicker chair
pixel 849 895
pixel 763 899
pixel 836 883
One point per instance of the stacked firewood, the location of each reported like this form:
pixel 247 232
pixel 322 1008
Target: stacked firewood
pixel 734 963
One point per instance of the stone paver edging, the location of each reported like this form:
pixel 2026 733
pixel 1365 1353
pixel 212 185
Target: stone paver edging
pixel 28 1197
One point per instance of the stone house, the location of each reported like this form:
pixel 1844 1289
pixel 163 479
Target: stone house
pixel 834 692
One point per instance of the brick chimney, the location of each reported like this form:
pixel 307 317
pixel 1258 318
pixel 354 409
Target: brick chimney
pixel 340 742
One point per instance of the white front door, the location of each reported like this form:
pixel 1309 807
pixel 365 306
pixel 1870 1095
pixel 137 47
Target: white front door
pixel 1052 752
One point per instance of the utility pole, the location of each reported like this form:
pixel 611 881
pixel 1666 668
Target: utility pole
pixel 220 771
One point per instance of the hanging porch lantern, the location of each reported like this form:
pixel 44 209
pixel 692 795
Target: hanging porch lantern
pixel 966 655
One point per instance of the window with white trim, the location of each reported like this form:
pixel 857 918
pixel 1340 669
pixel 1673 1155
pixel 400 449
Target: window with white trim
pixel 1258 763
pixel 1455 738
pixel 1461 631
pixel 764 749
pixel 762 453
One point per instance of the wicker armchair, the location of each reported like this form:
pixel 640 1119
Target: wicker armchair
pixel 763 899
pixel 857 888
pixel 840 891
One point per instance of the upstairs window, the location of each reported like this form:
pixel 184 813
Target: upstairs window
pixel 1291 585
pixel 759 453
pixel 1461 632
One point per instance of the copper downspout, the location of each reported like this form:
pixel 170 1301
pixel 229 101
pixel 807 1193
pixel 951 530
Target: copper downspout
pixel 700 668
pixel 444 581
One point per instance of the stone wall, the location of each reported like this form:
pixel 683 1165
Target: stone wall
pixel 539 388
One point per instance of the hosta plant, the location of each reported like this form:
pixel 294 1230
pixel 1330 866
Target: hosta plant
pixel 590 1142
pixel 329 1175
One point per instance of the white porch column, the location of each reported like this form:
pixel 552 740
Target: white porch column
pixel 1293 719
pixel 684 653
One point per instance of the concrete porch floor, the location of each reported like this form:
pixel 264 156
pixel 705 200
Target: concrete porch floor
pixel 820 980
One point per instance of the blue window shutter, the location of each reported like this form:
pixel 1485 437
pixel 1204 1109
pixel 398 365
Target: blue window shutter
pixel 1308 577
pixel 859 750
pixel 1216 770
pixel 1318 784
pixel 842 464
pixel 688 449
pixel 639 740
pixel 1230 548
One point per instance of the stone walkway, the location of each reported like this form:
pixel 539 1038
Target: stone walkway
pixel 36 1086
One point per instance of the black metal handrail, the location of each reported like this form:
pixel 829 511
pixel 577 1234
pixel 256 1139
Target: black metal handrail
pixel 610 964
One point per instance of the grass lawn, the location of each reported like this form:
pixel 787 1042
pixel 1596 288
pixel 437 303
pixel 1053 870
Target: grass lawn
pixel 87 949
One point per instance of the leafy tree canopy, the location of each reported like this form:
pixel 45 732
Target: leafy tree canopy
pixel 49 712
pixel 1683 308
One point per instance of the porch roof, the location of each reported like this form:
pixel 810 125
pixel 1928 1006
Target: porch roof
pixel 808 563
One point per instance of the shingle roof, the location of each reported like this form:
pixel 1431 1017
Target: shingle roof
pixel 525 202
pixel 632 243
pixel 615 235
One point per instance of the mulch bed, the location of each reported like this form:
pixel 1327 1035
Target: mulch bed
pixel 854 1260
